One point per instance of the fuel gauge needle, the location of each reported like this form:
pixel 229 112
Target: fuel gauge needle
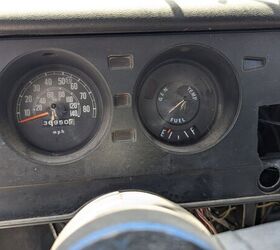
pixel 176 106
pixel 34 117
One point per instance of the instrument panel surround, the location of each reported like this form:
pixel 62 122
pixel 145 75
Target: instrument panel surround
pixel 228 170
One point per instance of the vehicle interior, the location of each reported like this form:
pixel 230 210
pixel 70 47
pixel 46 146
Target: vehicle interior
pixel 140 124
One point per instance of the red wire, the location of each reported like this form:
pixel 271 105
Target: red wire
pixel 207 224
pixel 204 220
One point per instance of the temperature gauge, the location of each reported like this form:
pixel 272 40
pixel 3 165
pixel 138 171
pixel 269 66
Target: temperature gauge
pixel 177 103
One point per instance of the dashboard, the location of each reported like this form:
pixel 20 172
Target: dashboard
pixel 176 113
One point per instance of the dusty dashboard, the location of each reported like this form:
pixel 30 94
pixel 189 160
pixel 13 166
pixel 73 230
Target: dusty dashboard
pixel 175 114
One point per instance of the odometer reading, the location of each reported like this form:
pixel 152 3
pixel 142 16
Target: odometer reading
pixel 57 111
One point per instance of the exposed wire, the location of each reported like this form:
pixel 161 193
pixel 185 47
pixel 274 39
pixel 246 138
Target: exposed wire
pixel 265 205
pixel 266 212
pixel 53 230
pixel 221 219
pixel 225 214
pixel 205 221
pixel 266 209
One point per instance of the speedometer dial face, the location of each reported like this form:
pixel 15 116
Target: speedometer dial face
pixel 58 111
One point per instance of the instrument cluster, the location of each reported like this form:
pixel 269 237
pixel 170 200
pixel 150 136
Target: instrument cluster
pixel 60 105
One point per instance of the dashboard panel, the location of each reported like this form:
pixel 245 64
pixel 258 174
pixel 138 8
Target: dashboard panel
pixel 229 75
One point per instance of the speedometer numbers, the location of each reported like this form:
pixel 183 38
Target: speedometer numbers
pixel 57 111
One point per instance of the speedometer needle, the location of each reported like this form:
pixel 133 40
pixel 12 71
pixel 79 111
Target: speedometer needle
pixel 34 117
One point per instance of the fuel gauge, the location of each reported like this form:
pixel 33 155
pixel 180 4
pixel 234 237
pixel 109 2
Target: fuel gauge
pixel 187 99
pixel 178 103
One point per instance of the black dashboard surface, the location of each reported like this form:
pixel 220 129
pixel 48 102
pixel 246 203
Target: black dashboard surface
pixel 227 170
pixel 245 33
pixel 134 16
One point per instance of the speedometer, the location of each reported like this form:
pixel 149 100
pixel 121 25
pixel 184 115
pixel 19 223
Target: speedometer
pixel 57 110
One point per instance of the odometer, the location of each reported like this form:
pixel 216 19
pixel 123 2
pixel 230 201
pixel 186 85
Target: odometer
pixel 57 111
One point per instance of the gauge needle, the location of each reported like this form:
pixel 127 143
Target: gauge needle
pixel 183 106
pixel 34 117
pixel 176 106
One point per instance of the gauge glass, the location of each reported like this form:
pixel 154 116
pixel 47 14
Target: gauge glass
pixel 57 111
pixel 177 103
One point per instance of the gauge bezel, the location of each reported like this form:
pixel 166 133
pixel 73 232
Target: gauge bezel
pixel 25 80
pixel 37 61
pixel 229 94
